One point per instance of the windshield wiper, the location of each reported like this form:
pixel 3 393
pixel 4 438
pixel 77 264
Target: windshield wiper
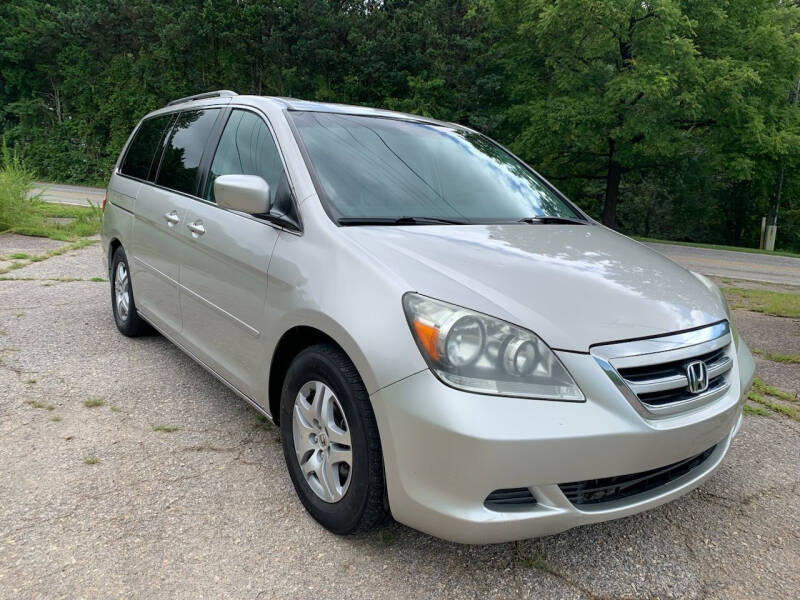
pixel 551 221
pixel 347 221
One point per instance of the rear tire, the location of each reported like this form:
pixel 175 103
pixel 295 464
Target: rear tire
pixel 327 420
pixel 122 303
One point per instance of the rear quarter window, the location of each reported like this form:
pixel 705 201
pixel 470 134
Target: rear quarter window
pixel 180 164
pixel 139 159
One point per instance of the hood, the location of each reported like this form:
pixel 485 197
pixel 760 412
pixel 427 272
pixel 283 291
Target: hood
pixel 573 285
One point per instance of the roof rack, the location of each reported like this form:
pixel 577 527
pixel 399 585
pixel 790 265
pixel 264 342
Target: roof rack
pixel 203 96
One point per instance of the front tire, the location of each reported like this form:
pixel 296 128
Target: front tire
pixel 331 442
pixel 122 303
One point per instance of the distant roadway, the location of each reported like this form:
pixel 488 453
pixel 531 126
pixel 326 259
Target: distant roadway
pixel 68 194
pixel 767 268
pixel 720 263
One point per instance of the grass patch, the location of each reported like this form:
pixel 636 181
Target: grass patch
pixel 49 280
pixel 94 402
pixel 55 418
pixel 763 388
pixel 532 561
pixel 789 359
pixel 789 411
pixel 86 221
pixel 30 381
pixel 91 460
pixel 778 304
pixel 166 428
pixel 38 404
pixel 98 279
pixel 20 256
pixel 31 216
pixel 719 247
pixel 49 254
pixel 115 408
pixel 750 409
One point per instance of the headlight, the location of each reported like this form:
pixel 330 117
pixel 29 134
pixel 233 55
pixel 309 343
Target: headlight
pixel 477 353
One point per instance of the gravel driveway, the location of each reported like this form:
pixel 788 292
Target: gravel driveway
pixel 127 471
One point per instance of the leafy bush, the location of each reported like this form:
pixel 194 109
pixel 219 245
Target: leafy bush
pixel 31 216
pixel 15 181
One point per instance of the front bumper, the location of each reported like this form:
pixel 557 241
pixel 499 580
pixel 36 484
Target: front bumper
pixel 446 450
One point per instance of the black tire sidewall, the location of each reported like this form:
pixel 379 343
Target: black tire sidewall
pixel 343 516
pixel 131 325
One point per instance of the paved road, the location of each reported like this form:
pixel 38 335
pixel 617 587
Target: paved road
pixel 95 502
pixel 720 263
pixel 68 194
pixel 737 265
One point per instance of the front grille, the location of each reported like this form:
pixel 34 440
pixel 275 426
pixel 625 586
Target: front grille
pixel 653 372
pixel 504 499
pixel 669 380
pixel 608 489
pixel 669 369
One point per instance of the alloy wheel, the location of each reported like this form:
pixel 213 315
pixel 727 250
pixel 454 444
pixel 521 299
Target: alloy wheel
pixel 122 296
pixel 322 441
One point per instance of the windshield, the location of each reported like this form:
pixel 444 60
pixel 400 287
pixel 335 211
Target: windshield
pixel 383 169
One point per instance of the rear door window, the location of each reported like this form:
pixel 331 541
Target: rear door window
pixel 139 160
pixel 246 148
pixel 180 164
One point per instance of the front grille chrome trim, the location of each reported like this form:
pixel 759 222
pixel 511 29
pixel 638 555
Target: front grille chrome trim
pixel 689 403
pixel 659 385
pixel 715 369
pixel 623 359
pixel 713 342
pixel 663 343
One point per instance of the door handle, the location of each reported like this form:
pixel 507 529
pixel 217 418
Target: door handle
pixel 196 228
pixel 172 218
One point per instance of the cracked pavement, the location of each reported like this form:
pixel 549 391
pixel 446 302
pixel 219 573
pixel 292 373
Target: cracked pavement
pixel 208 509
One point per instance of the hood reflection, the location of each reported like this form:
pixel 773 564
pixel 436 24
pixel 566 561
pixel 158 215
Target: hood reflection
pixel 575 285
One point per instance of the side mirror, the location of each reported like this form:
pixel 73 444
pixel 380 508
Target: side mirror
pixel 245 193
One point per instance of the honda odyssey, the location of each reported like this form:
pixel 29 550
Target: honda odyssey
pixel 438 332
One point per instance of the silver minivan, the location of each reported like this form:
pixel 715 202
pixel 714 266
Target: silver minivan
pixel 439 333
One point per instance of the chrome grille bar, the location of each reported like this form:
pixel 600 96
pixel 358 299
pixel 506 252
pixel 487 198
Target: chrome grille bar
pixel 652 373
pixel 679 381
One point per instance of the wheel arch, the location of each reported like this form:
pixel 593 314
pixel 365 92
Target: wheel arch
pixel 299 337
pixel 113 244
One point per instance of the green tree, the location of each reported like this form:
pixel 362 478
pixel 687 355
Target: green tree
pixel 601 89
pixel 669 118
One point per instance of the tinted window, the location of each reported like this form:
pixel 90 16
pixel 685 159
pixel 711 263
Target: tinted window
pixel 390 168
pixel 246 148
pixel 181 161
pixel 143 148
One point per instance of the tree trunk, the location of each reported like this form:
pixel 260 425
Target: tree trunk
pixel 772 215
pixel 613 178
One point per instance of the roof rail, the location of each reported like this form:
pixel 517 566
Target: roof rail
pixel 217 94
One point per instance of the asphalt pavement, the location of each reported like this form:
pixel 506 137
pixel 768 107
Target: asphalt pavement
pixel 68 194
pixel 127 471
pixel 752 266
